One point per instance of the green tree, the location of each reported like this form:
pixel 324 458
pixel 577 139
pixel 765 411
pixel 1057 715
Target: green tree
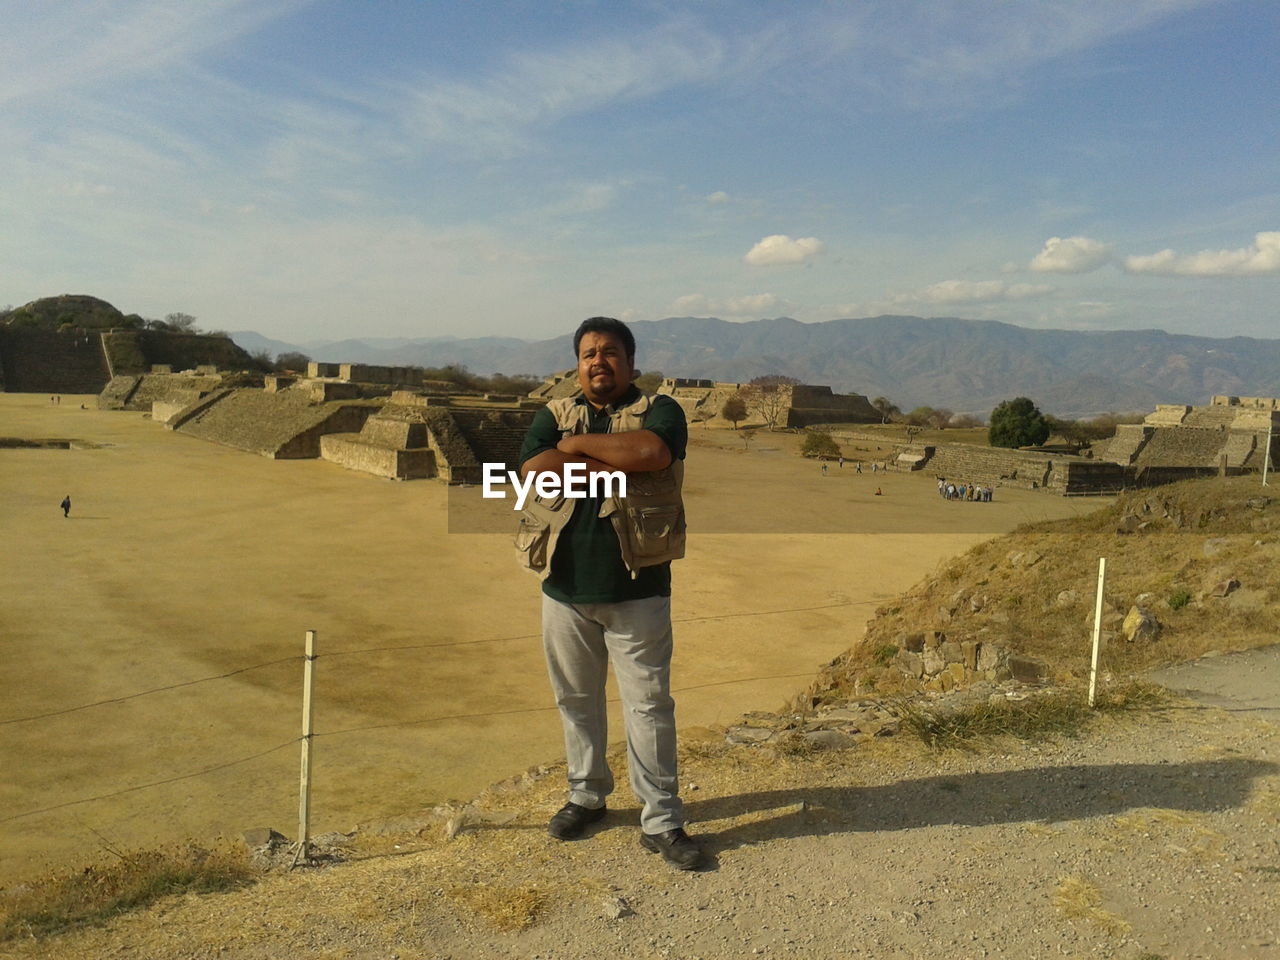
pixel 181 322
pixel 888 409
pixel 819 444
pixel 1017 423
pixel 734 410
pixel 292 361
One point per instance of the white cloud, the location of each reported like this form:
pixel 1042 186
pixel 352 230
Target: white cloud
pixel 780 248
pixel 1261 258
pixel 974 291
pixel 1071 255
pixel 718 197
pixel 697 304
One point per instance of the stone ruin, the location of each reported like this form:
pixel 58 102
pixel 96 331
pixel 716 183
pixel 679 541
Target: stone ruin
pixel 370 426
pixel 798 405
pixel 1227 437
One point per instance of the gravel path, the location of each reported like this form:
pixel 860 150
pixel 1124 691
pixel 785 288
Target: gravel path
pixel 1153 836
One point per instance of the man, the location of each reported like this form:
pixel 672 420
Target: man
pixel 66 505
pixel 605 563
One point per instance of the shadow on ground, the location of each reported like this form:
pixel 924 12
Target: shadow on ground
pixel 1047 794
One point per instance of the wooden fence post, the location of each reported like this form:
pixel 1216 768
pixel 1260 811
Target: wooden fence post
pixel 304 788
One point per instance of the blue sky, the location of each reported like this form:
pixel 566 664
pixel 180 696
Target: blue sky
pixel 328 169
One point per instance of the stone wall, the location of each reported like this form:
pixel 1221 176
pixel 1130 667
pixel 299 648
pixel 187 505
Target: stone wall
pixel 355 453
pixel 284 426
pixel 816 404
pixel 52 361
pixel 134 351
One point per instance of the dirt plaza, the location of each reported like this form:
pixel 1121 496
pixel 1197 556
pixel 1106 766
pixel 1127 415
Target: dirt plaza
pixel 184 561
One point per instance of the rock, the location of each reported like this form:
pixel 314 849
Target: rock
pixel 1144 598
pixel 1215 545
pixel 1028 669
pixel 1140 625
pixel 1225 587
pixel 912 664
pixel 957 672
pixel 934 638
pixel 741 733
pixel 933 660
pixel 911 642
pixel 1258 503
pixel 952 652
pixel 828 740
pixel 988 656
pixel 1128 524
pixel 944 614
pixel 263 837
pixel 977 603
pixel 1067 598
pixel 615 908
pixel 969 650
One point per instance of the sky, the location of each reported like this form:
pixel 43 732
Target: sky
pixel 413 168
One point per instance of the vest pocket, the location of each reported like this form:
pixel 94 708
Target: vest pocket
pixel 534 533
pixel 531 540
pixel 655 529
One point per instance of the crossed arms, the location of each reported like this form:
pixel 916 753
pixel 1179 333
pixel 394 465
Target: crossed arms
pixel 632 451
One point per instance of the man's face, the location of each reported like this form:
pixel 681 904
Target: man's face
pixel 604 372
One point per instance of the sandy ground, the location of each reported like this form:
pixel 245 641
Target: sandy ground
pixel 184 560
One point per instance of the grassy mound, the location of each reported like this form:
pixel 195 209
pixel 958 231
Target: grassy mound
pixel 1198 555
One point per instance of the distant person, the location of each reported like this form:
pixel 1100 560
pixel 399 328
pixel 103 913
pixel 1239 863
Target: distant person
pixel 878 493
pixel 824 469
pixel 858 466
pixel 66 505
pixel 606 584
pixel 842 463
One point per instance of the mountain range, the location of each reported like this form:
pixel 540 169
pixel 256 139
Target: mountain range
pixel 965 365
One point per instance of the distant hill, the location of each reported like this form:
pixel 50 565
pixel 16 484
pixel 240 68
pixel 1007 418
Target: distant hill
pixel 965 365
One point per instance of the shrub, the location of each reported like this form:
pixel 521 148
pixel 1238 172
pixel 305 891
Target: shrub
pixel 818 444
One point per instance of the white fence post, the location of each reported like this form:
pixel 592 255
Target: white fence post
pixel 1097 631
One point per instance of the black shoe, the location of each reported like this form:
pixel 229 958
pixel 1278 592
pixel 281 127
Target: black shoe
pixel 571 819
pixel 676 847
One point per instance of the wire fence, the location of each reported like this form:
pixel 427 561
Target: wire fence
pixel 346 731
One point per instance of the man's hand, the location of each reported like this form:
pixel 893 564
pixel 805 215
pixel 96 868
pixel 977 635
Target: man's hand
pixel 633 451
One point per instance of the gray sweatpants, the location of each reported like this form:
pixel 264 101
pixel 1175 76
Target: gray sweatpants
pixel 580 641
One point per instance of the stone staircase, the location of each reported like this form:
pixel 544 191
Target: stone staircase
pixel 1215 417
pixel 494 436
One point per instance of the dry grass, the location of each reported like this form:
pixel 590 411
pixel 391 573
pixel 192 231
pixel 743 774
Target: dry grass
pixel 1053 713
pixel 1078 899
pixel 135 879
pixel 506 907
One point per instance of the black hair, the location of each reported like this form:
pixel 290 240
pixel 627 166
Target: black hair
pixel 610 326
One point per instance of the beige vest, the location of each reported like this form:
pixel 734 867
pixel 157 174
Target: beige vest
pixel 649 520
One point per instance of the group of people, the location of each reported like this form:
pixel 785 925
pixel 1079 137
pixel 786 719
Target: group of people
pixel 963 491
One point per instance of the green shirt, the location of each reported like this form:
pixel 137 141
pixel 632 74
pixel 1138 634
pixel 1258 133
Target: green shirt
pixel 587 566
